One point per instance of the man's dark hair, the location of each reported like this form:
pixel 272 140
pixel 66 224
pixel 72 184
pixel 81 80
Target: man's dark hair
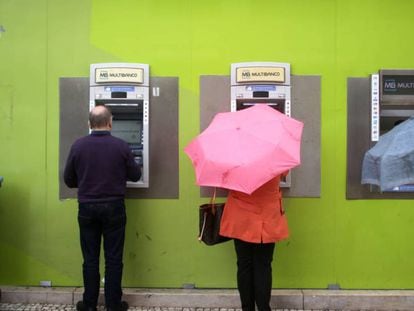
pixel 99 118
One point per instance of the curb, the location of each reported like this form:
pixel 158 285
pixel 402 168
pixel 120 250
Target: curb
pixel 224 298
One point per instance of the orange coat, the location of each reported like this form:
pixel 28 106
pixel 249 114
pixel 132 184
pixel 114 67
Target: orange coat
pixel 255 218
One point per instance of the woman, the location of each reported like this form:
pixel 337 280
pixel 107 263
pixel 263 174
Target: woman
pixel 255 222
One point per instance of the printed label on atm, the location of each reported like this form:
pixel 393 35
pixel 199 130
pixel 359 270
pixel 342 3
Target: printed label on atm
pixel 114 74
pixel 267 88
pixel 119 89
pixel 260 74
pixel 398 85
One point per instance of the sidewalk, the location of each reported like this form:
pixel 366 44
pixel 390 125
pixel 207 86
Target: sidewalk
pixel 46 307
pixel 64 298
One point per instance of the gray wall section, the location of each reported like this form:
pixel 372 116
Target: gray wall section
pixel 306 107
pixel 306 98
pixel 163 134
pixel 359 142
pixel 163 142
pixel 214 98
pixel 74 109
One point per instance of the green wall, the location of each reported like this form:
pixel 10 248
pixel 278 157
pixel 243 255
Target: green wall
pixel 358 244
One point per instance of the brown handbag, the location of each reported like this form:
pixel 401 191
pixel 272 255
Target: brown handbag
pixel 209 222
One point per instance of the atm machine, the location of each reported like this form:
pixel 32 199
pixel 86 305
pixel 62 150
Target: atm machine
pixel 124 89
pixel 262 83
pixel 392 102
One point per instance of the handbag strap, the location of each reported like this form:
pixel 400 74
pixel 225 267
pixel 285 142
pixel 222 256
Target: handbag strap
pixel 213 210
pixel 213 197
pixel 213 201
pixel 203 227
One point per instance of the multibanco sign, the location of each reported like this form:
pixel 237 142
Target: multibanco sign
pixel 398 85
pixel 260 74
pixel 127 75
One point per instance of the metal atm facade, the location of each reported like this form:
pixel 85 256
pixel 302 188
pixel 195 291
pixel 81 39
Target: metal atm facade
pixel 124 89
pixel 392 102
pixel 261 83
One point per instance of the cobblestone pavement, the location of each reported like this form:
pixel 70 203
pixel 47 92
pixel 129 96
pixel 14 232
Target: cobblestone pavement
pixel 53 307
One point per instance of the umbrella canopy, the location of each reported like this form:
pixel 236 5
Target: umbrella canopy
pixel 390 163
pixel 243 150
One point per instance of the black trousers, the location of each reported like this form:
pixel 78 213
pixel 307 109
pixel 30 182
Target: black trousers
pixel 107 220
pixel 254 274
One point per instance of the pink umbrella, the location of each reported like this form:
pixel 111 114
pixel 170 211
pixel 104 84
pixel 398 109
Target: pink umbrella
pixel 243 150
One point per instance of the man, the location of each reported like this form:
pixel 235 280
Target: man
pixel 99 166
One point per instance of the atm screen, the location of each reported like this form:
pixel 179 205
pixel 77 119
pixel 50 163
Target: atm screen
pixel 128 130
pixel 388 123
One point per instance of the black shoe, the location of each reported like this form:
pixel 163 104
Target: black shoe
pixel 123 306
pixel 80 306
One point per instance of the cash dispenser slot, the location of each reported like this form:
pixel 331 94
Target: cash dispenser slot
pixel 119 94
pixel 260 94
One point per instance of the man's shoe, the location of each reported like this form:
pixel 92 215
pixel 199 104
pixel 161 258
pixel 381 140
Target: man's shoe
pixel 123 306
pixel 80 306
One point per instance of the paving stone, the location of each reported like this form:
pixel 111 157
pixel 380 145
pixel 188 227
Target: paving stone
pixel 66 307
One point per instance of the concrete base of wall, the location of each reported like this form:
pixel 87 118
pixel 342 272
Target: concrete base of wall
pixel 225 298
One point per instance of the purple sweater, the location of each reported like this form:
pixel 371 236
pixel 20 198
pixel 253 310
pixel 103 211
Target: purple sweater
pixel 99 165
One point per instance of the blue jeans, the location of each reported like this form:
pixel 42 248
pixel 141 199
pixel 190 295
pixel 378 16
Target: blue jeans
pixel 107 220
pixel 254 274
